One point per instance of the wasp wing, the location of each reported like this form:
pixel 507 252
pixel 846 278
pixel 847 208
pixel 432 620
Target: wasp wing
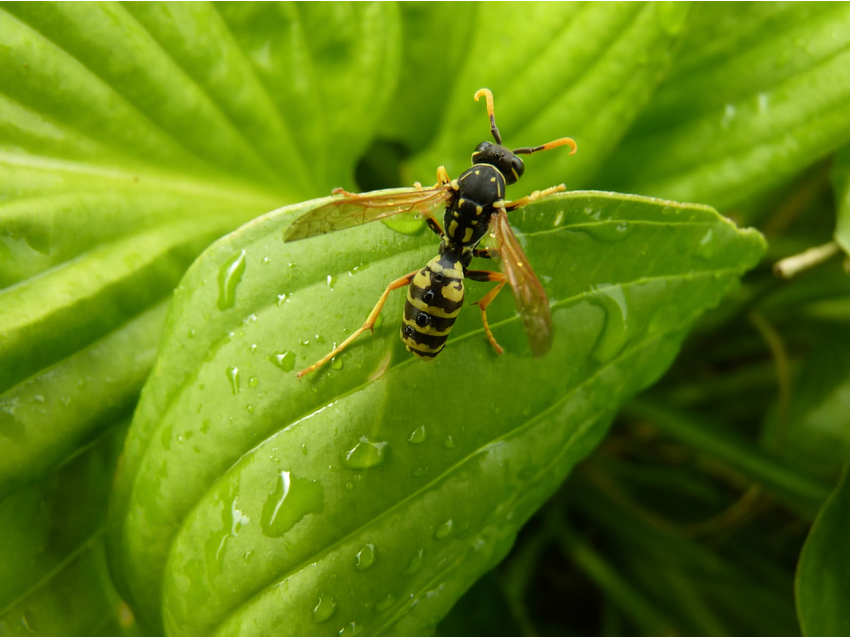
pixel 356 209
pixel 530 297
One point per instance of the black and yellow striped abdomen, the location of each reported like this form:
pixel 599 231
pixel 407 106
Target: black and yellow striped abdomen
pixel 434 299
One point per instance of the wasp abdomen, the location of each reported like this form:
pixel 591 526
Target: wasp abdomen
pixel 434 299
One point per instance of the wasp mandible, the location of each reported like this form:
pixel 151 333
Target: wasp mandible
pixel 475 205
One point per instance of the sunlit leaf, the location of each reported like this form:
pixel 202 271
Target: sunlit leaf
pixel 449 457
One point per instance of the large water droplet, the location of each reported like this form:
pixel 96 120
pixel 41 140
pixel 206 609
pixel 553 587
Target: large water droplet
pixel 323 610
pixel 284 360
pixel 444 530
pixel 229 275
pixel 415 562
pixel 365 454
pixel 417 436
pixel 292 499
pixel 232 520
pixel 385 603
pixel 233 377
pixel 365 557
pixel 614 333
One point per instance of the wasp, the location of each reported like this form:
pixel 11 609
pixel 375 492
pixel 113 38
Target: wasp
pixel 474 206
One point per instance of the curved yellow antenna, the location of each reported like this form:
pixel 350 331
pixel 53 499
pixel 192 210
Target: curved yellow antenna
pixel 491 111
pixel 564 141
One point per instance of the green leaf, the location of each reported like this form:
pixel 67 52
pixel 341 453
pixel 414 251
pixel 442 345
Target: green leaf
pixel 823 574
pixel 53 575
pixel 841 183
pixel 759 93
pixel 132 136
pixel 550 80
pixel 225 432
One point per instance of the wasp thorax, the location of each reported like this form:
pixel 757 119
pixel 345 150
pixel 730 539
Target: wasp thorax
pixel 504 160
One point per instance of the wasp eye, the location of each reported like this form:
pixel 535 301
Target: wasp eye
pixel 517 166
pixel 482 147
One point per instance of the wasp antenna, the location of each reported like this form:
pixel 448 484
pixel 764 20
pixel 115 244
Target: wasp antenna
pixel 491 111
pixel 564 141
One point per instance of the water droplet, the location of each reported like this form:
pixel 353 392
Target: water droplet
pixel 281 299
pixel 304 448
pixel 415 562
pixel 253 348
pixel 348 629
pixel 559 218
pixel 365 557
pixel 266 260
pixel 606 231
pixel 229 275
pixel 417 436
pixel 249 408
pixel 365 454
pixel 253 382
pixel 729 113
pixel 449 443
pixel 292 499
pixel 232 522
pixel 444 530
pixel 284 360
pixel 191 333
pixel 614 334
pixel 233 377
pixel 706 249
pixel 385 603
pixel 418 472
pixel 324 608
pixel 349 486
pixel 336 362
pixel 330 281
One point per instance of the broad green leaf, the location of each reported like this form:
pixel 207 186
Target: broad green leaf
pixel 841 181
pixel 823 573
pixel 816 429
pixel 582 70
pixel 421 472
pixel 132 136
pixel 53 574
pixel 759 92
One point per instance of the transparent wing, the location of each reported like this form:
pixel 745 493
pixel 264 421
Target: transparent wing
pixel 530 297
pixel 356 209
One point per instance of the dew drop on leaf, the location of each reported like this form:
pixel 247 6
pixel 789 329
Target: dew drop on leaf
pixel 365 454
pixel 229 275
pixel 324 608
pixel 417 436
pixel 285 360
pixel 292 499
pixel 365 557
pixel 614 334
pixel 444 530
pixel 233 377
pixel 415 562
pixel 385 603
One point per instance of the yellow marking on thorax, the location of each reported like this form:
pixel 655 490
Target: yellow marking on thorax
pixel 453 227
pixel 454 272
pixel 422 280
pixel 467 235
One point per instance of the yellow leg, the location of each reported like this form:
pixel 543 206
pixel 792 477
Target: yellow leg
pixel 443 176
pixel 368 325
pixel 519 203
pixel 484 275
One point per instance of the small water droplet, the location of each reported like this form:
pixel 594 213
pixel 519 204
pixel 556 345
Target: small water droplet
pixel 349 485
pixel 292 499
pixel 324 608
pixel 191 333
pixel 417 436
pixel 415 562
pixel 266 260
pixel 706 249
pixel 253 348
pixel 281 299
pixel 614 335
pixel 449 443
pixel 348 629
pixel 284 360
pixel 385 603
pixel 418 472
pixel 304 448
pixel 365 557
pixel 444 530
pixel 233 377
pixel 330 281
pixel 336 362
pixel 365 454
pixel 253 382
pixel 229 276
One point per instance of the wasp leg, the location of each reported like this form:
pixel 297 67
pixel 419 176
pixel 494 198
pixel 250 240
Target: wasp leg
pixel 519 203
pixel 368 325
pixel 484 253
pixel 435 226
pixel 443 176
pixel 485 275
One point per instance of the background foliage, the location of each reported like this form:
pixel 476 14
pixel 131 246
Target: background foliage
pixel 133 136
